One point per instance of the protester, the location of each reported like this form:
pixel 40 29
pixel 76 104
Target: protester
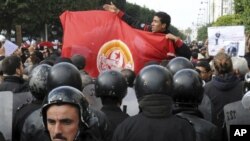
pixel 204 70
pixel 28 116
pixel 160 24
pixel 225 87
pixel 12 68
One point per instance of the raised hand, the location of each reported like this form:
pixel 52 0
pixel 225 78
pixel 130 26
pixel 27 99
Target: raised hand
pixel 111 7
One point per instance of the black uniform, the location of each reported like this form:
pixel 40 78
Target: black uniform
pixel 188 94
pixel 205 131
pixel 27 125
pixel 1 137
pixel 144 127
pixel 114 115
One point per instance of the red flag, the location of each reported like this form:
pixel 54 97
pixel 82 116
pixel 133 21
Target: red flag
pixel 107 42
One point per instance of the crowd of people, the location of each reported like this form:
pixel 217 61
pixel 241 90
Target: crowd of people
pixel 185 98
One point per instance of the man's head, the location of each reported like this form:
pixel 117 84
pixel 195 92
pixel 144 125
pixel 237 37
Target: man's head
pixel 179 63
pixel 111 85
pixel 204 70
pixel 38 80
pixel 161 22
pixel 79 61
pixel 129 76
pixel 64 74
pixel 153 79
pixel 63 122
pixel 188 88
pixel 64 113
pixel 222 64
pixel 12 65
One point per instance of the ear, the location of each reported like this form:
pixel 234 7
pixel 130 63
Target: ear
pixel 164 26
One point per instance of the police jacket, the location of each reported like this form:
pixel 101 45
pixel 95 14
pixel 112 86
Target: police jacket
pixel 114 115
pixel 28 125
pixel 205 130
pixel 155 123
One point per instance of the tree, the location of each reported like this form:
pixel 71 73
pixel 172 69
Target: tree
pixel 229 20
pixel 202 33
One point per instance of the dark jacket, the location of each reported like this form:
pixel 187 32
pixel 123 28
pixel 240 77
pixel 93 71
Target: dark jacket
pixel 114 115
pixel 155 123
pixel 1 137
pixel 205 131
pixel 181 48
pixel 15 84
pixel 27 124
pixel 222 90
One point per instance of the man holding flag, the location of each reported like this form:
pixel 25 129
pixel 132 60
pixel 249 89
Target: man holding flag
pixel 161 22
pixel 109 43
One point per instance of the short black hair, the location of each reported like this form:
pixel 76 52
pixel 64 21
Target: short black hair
pixel 164 17
pixel 10 64
pixel 204 64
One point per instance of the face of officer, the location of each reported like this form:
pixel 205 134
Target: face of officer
pixel 62 122
pixel 157 25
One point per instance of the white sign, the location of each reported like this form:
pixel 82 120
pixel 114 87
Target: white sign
pixel 231 39
pixel 10 47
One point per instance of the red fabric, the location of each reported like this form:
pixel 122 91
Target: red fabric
pixel 88 32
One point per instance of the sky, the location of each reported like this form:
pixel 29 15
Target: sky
pixel 183 12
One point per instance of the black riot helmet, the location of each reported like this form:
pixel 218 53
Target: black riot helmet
pixel 64 74
pixel 179 63
pixel 66 95
pixel 111 83
pixel 188 87
pixel 246 83
pixel 153 79
pixel 38 81
pixel 129 76
pixel 79 61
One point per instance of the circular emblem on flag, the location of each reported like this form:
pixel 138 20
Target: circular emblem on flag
pixel 114 55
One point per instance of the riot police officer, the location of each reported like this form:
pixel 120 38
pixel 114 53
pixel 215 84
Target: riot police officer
pixel 66 74
pixel 179 63
pixel 154 88
pixel 65 113
pixel 111 87
pixel 188 94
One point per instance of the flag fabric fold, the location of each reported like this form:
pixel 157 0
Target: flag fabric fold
pixel 107 42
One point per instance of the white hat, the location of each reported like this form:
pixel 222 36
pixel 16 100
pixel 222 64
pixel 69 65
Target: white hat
pixel 246 100
pixel 2 38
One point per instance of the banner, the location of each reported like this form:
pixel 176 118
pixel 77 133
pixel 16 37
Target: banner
pixel 107 42
pixel 229 38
